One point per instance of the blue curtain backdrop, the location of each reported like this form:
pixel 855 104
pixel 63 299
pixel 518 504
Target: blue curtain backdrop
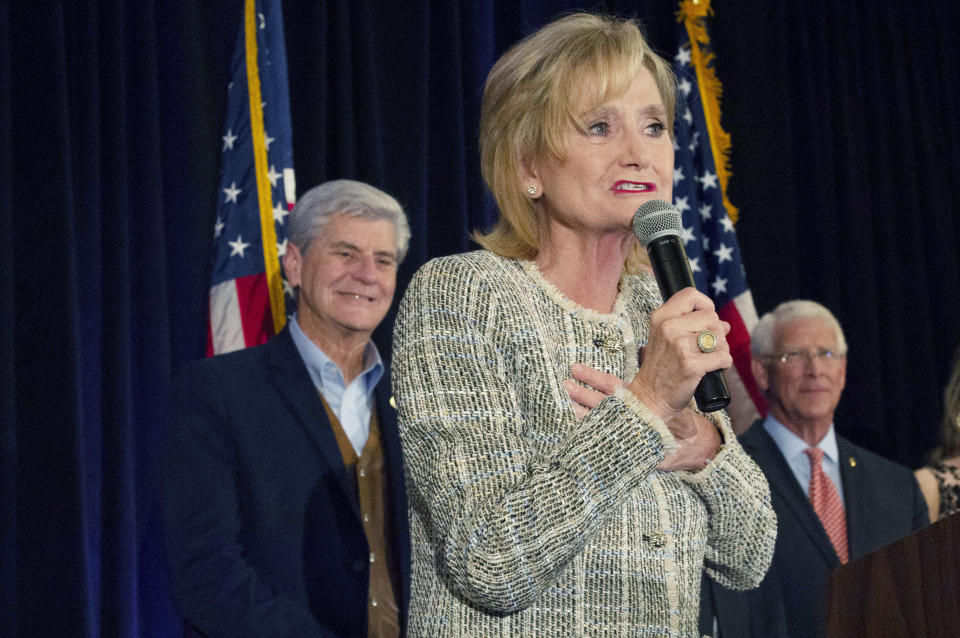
pixel 846 137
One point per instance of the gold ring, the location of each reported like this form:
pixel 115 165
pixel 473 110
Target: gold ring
pixel 707 341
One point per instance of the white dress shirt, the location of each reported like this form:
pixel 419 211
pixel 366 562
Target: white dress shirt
pixel 352 404
pixel 792 447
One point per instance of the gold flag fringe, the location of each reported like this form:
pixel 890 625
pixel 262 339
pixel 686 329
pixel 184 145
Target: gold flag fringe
pixel 693 14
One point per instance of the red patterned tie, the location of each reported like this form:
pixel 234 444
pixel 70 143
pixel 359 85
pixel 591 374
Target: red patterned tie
pixel 826 503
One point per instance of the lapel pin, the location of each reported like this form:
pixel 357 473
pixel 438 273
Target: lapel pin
pixel 393 404
pixel 853 462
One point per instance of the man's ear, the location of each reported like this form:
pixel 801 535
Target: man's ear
pixel 760 374
pixel 292 264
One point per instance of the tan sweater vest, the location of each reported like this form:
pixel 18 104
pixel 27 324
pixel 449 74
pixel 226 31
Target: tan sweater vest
pixel 369 483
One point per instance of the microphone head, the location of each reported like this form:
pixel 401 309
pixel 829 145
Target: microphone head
pixel 655 219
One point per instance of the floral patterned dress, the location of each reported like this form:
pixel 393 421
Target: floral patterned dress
pixel 948 482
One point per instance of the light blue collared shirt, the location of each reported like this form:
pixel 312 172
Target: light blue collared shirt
pixel 353 404
pixel 792 447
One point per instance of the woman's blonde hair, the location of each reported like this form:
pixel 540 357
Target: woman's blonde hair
pixel 532 96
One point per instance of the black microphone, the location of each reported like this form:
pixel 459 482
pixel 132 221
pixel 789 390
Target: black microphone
pixel 657 224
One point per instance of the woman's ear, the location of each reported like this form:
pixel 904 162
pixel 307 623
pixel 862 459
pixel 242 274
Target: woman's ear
pixel 530 182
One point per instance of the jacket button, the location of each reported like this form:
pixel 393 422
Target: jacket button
pixel 656 539
pixel 609 344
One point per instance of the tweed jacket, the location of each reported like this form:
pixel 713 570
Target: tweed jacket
pixel 526 521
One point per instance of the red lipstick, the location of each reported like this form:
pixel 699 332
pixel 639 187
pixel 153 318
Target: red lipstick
pixel 628 186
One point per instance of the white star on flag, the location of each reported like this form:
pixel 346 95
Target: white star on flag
pixel 677 175
pixel 708 180
pixel 228 140
pixel 282 248
pixel 719 285
pixel 267 140
pixel 705 212
pixel 694 141
pixel 682 204
pixel 238 246
pixel 218 228
pixel 727 224
pixel 272 175
pixel 694 264
pixel 232 193
pixel 279 212
pixel 683 56
pixel 687 235
pixel 685 86
pixel 723 253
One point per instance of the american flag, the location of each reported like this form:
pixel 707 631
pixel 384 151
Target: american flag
pixel 257 188
pixel 710 241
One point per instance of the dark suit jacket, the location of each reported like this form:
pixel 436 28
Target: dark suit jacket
pixel 262 525
pixel 883 503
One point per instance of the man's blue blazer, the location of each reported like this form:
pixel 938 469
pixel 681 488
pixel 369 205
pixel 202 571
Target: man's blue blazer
pixel 883 504
pixel 262 526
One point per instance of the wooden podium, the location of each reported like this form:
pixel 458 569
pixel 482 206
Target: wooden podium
pixel 910 588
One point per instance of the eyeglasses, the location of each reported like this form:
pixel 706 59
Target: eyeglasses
pixel 797 358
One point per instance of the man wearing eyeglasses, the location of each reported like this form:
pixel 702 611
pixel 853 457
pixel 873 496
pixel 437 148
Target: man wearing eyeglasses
pixel 835 501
